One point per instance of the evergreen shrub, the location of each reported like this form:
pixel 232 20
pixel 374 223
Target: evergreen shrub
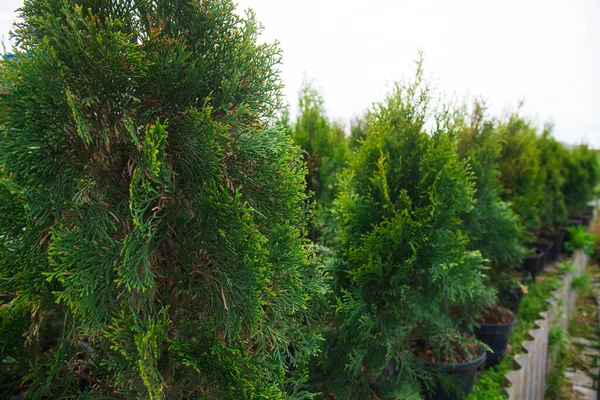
pixel 405 278
pixel 151 218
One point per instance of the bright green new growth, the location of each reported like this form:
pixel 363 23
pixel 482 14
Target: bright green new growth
pixel 520 175
pixel 492 226
pixel 326 153
pixel 150 218
pixel 404 273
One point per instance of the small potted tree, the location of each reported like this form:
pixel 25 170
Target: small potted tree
pixel 405 274
pixel 553 210
pixel 522 182
pixel 493 229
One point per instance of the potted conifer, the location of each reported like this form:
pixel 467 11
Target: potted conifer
pixel 522 182
pixel 493 229
pixel 553 210
pixel 155 212
pixel 405 275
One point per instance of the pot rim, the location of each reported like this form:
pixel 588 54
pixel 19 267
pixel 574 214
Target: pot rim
pixel 454 367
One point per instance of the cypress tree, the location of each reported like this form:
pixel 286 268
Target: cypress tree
pixel 151 217
pixel 582 174
pixel 520 174
pixel 325 151
pixel 492 226
pixel 553 210
pixel 405 277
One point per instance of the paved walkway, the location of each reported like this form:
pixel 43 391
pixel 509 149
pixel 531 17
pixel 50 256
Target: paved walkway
pixel 584 377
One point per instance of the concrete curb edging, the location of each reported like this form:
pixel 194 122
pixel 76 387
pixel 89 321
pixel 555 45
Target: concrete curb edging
pixel 527 381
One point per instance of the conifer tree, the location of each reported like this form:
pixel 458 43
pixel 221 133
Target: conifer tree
pixel 492 226
pixel 520 174
pixel 326 153
pixel 553 210
pixel 404 267
pixel 151 218
pixel 582 174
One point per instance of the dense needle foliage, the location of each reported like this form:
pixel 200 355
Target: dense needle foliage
pixel 325 152
pixel 404 273
pixel 582 174
pixel 151 220
pixel 520 173
pixel 492 226
pixel 553 210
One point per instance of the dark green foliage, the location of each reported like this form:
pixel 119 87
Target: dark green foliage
pixel 148 208
pixel 404 272
pixel 326 153
pixel 492 226
pixel 553 210
pixel 582 174
pixel 520 174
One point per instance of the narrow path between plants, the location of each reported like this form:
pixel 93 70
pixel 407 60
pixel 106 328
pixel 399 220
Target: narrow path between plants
pixel 575 375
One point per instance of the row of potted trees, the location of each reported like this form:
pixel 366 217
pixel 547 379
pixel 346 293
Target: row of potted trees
pixel 155 221
pixel 442 214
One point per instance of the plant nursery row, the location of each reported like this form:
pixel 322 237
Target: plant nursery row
pixel 169 231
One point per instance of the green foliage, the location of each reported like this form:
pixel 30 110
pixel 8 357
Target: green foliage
pixel 325 152
pixel 492 227
pixel 520 174
pixel 580 239
pixel 358 131
pixel 553 210
pixel 559 354
pixel 581 283
pixel 148 208
pixel 582 175
pixel 405 273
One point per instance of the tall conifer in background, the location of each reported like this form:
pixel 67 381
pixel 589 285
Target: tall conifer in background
pixel 325 151
pixel 520 174
pixel 553 210
pixel 151 219
pixel 582 174
pixel 492 226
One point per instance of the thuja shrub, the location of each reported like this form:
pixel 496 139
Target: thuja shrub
pixel 553 210
pixel 492 226
pixel 151 219
pixel 582 174
pixel 405 272
pixel 520 175
pixel 325 152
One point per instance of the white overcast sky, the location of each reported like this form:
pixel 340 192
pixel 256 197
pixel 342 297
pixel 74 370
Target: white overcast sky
pixel 546 53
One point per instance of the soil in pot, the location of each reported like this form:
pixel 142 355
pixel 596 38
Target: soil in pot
pixel 545 245
pixel 454 379
pixel 494 330
pixel 533 262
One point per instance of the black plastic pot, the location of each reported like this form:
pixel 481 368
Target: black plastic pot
pixel 558 239
pixel 545 246
pixel 533 263
pixel 496 337
pixel 463 375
